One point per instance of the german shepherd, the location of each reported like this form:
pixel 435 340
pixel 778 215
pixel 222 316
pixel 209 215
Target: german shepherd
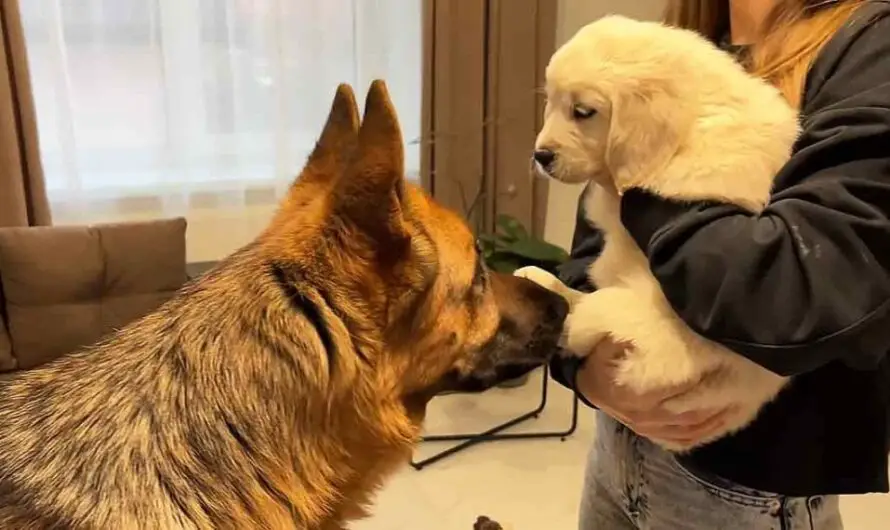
pixel 279 389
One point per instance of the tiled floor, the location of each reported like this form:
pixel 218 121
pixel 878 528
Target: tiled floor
pixel 532 484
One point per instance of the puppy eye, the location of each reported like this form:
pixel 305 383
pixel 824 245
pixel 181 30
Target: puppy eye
pixel 580 112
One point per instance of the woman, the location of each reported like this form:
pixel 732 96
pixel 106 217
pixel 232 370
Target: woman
pixel 802 289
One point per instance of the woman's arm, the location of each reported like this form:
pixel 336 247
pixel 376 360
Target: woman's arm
pixel 587 243
pixel 808 280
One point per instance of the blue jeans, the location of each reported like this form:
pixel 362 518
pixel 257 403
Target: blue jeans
pixel 632 484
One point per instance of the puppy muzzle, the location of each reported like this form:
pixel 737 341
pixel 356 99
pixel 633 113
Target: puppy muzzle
pixel 543 162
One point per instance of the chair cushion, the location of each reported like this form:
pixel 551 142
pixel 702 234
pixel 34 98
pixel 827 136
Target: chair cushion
pixel 66 287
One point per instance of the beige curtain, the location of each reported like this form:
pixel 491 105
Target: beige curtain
pixel 484 64
pixel 23 200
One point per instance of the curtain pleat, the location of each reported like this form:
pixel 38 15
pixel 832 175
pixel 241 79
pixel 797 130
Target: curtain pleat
pixel 23 197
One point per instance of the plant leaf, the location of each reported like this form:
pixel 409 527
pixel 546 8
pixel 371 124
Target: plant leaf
pixel 505 240
pixel 488 244
pixel 503 262
pixel 511 228
pixel 487 239
pixel 537 250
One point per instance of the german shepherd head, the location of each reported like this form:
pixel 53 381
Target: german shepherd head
pixel 279 389
pixel 431 314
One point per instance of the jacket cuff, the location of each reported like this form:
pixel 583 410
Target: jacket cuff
pixel 564 370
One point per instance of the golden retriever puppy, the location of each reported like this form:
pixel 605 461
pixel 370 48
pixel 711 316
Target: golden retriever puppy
pixel 634 104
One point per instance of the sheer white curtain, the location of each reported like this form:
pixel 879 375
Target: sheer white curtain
pixel 203 108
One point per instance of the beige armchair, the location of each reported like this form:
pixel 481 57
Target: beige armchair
pixel 62 288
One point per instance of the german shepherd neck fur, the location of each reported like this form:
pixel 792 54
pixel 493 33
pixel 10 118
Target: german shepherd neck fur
pixel 278 390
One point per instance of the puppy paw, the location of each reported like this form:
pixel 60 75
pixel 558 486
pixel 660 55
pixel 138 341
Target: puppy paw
pixel 548 281
pixel 484 523
pixel 586 325
pixel 580 336
pixel 540 277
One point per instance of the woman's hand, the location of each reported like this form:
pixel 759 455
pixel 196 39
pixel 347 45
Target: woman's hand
pixel 643 413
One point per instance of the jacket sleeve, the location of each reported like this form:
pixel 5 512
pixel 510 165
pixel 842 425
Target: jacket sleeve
pixel 807 281
pixel 587 243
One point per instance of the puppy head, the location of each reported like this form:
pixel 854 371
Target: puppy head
pixel 403 274
pixel 615 109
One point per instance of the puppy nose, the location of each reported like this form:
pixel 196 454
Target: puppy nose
pixel 545 157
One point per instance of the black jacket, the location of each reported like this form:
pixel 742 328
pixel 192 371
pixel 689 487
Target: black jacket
pixel 802 289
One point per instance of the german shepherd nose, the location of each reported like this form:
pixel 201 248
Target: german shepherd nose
pixel 557 310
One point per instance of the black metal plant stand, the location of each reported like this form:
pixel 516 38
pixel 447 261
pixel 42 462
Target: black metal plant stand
pixel 495 433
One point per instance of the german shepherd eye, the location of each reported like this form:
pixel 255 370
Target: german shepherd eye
pixel 580 112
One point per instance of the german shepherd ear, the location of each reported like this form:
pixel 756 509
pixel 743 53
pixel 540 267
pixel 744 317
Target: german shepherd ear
pixel 371 191
pixel 338 140
pixel 646 129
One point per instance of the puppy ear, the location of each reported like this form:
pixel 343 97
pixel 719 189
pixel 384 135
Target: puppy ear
pixel 646 129
pixel 338 139
pixel 370 193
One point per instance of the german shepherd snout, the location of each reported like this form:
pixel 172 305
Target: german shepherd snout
pixel 530 324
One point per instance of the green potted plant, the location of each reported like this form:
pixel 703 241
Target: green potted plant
pixel 511 247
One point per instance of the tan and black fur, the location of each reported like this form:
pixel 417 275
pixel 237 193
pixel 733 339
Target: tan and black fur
pixel 278 390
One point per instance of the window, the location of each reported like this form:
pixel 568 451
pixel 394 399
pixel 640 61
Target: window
pixel 177 106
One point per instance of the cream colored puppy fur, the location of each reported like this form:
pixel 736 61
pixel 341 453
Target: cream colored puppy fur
pixel 639 104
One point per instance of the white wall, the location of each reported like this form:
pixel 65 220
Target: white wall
pixel 573 14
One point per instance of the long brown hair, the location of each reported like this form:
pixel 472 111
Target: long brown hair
pixel 791 36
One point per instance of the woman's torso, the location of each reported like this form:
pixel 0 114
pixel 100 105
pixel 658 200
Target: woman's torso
pixel 828 431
